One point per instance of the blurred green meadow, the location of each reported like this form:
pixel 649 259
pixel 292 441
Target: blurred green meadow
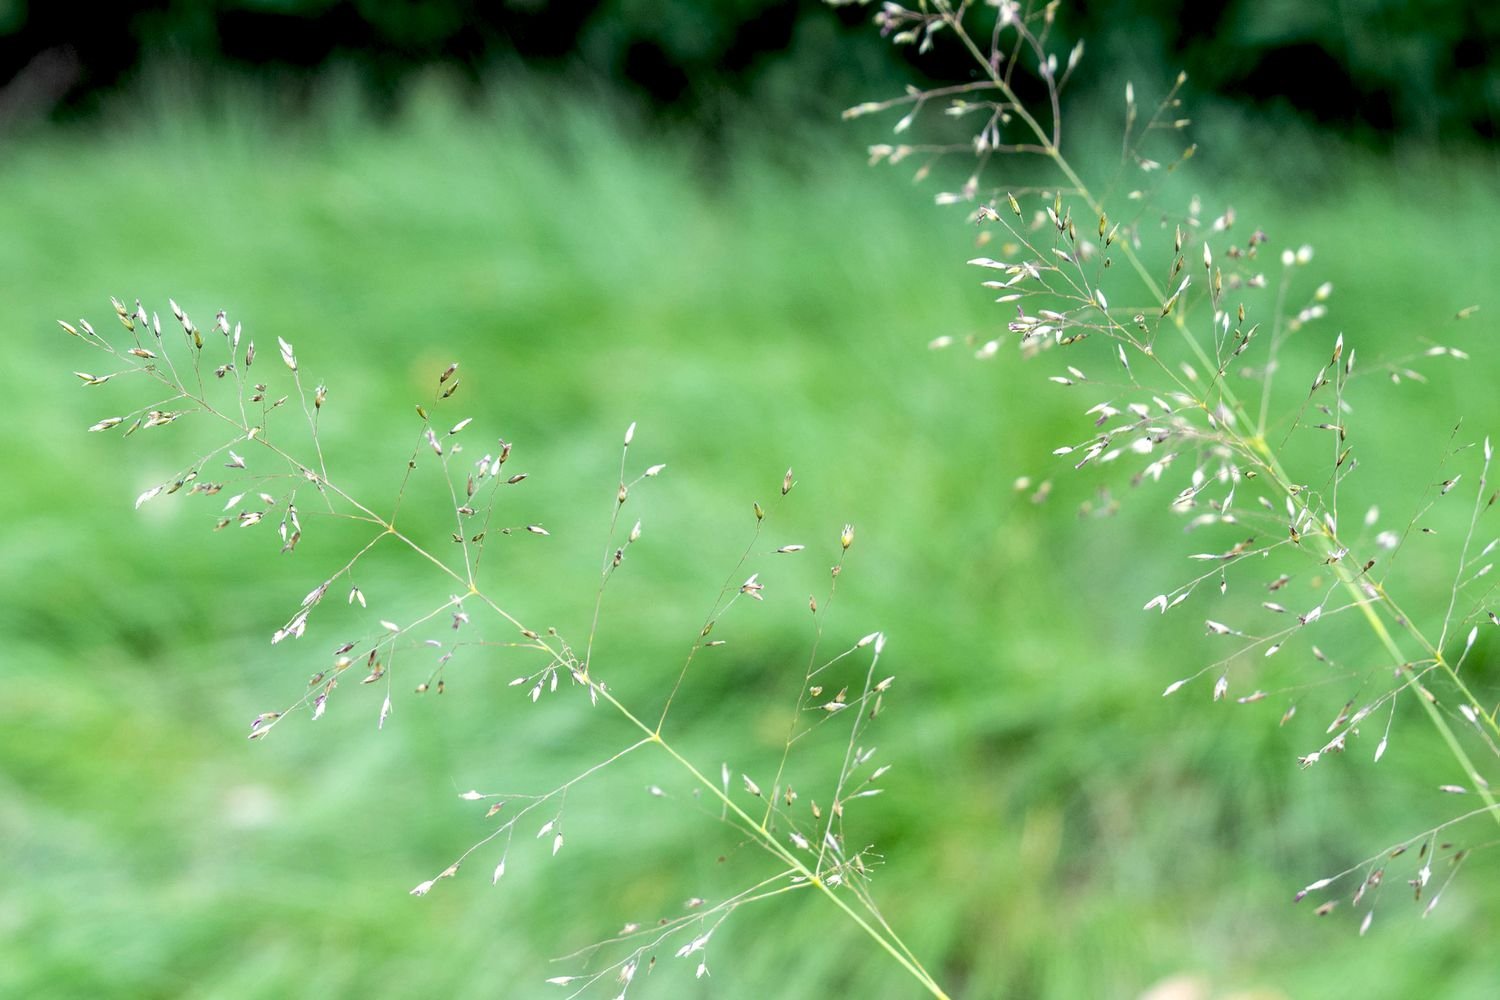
pixel 1051 827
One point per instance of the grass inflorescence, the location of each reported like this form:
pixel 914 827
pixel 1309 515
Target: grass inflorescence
pixel 1176 320
pixel 267 456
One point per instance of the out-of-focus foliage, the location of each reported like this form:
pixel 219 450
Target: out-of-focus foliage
pixel 1371 68
pixel 1053 827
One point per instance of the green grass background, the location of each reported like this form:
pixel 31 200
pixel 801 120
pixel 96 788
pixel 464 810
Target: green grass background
pixel 1051 828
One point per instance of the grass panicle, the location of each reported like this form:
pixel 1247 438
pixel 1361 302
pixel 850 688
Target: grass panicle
pixel 1194 343
pixel 266 457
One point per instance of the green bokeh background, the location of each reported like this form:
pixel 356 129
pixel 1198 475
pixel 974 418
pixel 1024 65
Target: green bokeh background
pixel 1051 826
